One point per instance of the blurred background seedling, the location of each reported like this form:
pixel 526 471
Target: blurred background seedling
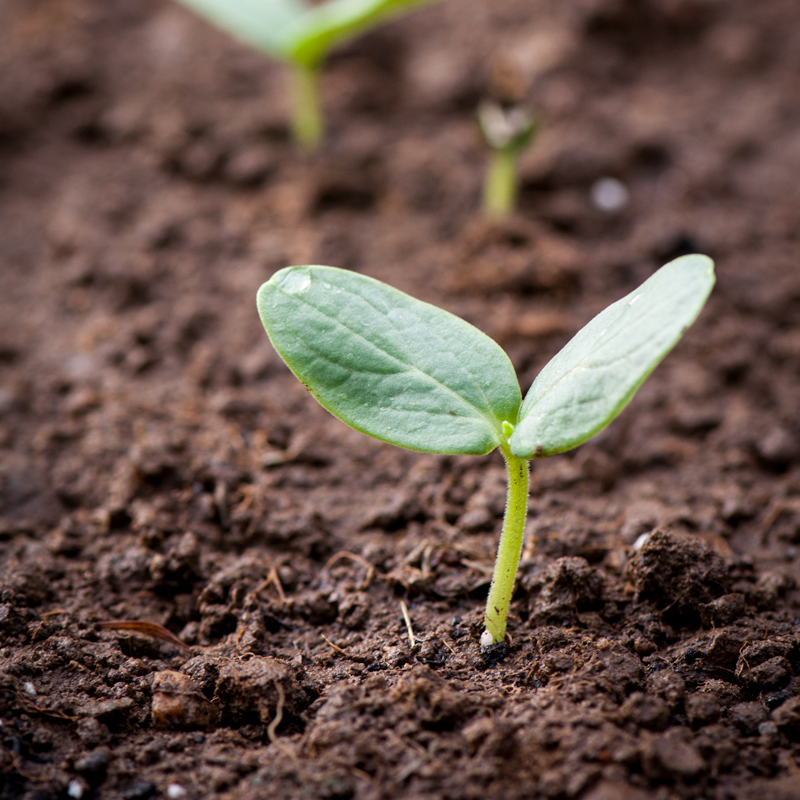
pixel 508 125
pixel 302 35
pixel 507 131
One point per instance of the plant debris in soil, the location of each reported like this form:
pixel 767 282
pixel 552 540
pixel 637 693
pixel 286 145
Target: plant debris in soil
pixel 209 587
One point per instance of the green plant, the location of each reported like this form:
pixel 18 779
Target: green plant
pixel 300 34
pixel 507 131
pixel 414 375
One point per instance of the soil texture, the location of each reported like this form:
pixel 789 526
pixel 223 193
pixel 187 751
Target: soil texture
pixel 205 578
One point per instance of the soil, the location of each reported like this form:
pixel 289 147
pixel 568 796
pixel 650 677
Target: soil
pixel 203 575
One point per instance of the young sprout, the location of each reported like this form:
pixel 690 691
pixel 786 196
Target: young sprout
pixel 419 377
pixel 300 34
pixel 506 131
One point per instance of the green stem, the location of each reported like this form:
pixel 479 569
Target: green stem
pixel 500 188
pixel 509 550
pixel 307 123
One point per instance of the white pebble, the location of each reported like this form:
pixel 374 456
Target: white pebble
pixel 75 789
pixel 610 195
pixel 640 542
pixel 29 688
pixel 487 640
pixel 175 791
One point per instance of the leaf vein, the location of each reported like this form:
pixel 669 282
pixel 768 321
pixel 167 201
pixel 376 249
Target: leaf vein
pixel 408 367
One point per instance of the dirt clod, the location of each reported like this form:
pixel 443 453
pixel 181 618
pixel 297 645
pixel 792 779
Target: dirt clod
pixel 679 574
pixel 702 708
pixel 668 685
pixel 722 611
pixel 251 691
pixel 747 717
pixel 646 711
pixel 673 754
pixel 787 718
pixel 93 765
pixel 561 589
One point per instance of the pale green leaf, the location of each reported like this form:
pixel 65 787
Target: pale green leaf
pixel 336 21
pixel 592 379
pixel 263 24
pixel 387 364
pixel 294 30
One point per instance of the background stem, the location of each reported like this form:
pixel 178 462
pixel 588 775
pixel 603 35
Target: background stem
pixel 500 187
pixel 508 552
pixel 307 116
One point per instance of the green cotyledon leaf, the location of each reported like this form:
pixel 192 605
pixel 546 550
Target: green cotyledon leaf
pixel 335 21
pixel 295 30
pixel 259 23
pixel 387 364
pixel 599 370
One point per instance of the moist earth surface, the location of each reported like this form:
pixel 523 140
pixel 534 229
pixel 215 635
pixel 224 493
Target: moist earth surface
pixel 210 587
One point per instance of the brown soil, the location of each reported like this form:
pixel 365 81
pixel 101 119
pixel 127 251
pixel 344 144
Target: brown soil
pixel 159 463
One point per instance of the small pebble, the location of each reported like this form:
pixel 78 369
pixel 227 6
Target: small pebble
pixel 178 704
pixel 175 791
pixel 29 688
pixel 610 195
pixel 75 789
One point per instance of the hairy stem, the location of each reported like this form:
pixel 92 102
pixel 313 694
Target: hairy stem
pixel 508 552
pixel 307 122
pixel 500 187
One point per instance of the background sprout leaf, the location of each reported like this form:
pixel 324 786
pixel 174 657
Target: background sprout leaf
pixel 295 30
pixel 506 131
pixel 592 379
pixel 389 365
pixel 264 24
pixel 300 34
pixel 335 21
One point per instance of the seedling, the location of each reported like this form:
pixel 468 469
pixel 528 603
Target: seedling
pixel 300 34
pixel 507 131
pixel 419 377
